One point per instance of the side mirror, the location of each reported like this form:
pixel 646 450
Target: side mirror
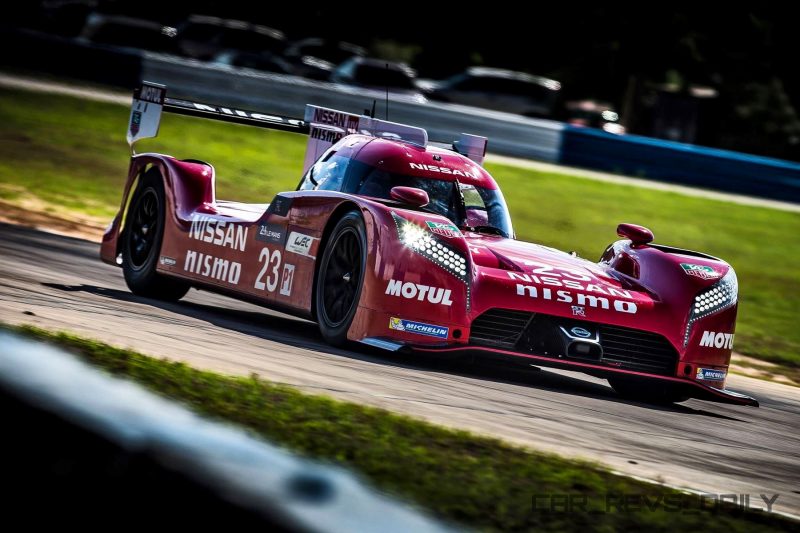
pixel 410 196
pixel 637 234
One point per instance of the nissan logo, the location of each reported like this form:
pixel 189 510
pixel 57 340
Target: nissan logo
pixel 581 332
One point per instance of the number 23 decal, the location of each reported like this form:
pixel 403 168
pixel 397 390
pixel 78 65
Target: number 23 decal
pixel 271 263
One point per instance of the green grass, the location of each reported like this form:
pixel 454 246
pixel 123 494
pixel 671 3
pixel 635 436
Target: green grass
pixel 461 477
pixel 72 153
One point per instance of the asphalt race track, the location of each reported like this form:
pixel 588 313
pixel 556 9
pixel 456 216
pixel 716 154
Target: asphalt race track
pixel 59 283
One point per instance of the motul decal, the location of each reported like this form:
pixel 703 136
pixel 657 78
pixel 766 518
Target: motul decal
pixel 711 339
pixel 415 291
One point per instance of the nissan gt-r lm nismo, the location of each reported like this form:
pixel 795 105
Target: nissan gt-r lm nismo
pixel 402 244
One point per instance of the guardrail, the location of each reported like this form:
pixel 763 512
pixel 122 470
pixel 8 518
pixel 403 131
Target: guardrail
pixel 508 134
pixel 687 164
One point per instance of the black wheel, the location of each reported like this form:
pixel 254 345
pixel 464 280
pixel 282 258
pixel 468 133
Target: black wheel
pixel 340 278
pixel 141 242
pixel 647 391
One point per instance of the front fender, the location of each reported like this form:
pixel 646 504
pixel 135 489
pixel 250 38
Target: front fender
pixel 187 185
pixel 414 276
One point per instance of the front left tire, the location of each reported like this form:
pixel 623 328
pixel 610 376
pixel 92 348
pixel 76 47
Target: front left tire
pixel 341 277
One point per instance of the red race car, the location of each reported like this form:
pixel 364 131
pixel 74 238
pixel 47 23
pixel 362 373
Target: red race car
pixel 401 244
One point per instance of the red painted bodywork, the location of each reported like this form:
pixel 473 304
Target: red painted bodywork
pixel 649 278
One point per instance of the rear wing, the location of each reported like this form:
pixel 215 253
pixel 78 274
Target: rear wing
pixel 323 126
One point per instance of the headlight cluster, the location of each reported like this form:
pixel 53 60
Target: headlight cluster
pixel 428 246
pixel 722 295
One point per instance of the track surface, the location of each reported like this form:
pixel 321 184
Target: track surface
pixel 700 445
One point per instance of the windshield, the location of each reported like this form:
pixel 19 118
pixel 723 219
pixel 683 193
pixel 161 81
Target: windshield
pixel 467 206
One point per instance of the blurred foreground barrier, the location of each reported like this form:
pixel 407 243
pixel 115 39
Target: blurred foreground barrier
pixel 85 449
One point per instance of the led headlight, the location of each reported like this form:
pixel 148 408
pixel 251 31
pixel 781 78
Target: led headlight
pixel 722 295
pixel 424 243
pixel 719 296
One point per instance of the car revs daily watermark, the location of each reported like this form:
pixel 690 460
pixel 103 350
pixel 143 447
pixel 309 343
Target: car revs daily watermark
pixel 415 291
pixel 430 330
pixel 712 339
pixel 668 502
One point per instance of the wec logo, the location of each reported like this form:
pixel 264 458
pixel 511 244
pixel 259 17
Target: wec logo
pixel 299 243
pixel 717 340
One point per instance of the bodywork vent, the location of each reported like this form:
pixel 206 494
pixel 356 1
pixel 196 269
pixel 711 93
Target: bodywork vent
pixel 499 327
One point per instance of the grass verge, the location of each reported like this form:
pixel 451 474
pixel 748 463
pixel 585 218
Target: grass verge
pixel 468 479
pixel 65 154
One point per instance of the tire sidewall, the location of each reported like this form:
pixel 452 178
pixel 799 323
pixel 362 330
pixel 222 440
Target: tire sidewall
pixel 337 335
pixel 142 277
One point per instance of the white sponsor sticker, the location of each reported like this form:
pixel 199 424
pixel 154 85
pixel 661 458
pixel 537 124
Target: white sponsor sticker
pixel 287 279
pixel 299 243
pixel 710 374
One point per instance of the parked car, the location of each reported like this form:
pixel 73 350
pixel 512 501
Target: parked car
pixel 204 37
pixel 593 114
pixel 498 89
pixel 316 58
pixel 265 61
pixel 377 74
pixel 133 32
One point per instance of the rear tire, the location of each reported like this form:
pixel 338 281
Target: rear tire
pixel 647 391
pixel 341 277
pixel 141 242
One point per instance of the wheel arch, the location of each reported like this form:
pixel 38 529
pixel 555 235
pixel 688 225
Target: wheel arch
pixel 187 184
pixel 339 211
